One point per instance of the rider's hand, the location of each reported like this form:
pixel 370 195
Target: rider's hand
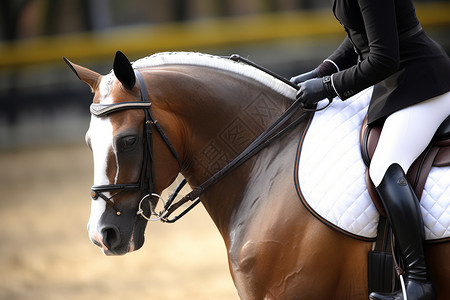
pixel 314 90
pixel 305 76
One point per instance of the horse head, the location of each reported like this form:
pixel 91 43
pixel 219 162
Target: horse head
pixel 121 138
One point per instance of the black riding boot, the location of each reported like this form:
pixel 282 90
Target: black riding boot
pixel 403 212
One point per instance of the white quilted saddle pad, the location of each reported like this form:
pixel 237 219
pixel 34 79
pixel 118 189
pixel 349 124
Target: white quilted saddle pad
pixel 331 175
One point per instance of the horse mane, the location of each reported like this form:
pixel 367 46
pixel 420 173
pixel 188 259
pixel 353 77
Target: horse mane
pixel 217 62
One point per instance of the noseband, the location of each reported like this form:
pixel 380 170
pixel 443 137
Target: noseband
pixel 146 182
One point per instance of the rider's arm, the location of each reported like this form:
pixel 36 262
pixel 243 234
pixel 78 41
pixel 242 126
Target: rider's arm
pixel 382 60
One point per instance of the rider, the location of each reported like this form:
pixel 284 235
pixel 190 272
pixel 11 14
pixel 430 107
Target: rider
pixel 386 47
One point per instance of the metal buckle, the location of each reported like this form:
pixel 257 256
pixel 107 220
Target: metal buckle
pixel 158 215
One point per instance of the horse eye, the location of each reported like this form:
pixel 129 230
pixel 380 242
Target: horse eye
pixel 127 143
pixel 130 141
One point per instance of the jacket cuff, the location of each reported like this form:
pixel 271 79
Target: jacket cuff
pixel 326 68
pixel 331 93
pixel 334 87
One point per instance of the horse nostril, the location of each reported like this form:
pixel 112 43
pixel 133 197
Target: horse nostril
pixel 111 237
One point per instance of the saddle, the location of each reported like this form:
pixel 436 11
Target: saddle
pixel 381 267
pixel 436 154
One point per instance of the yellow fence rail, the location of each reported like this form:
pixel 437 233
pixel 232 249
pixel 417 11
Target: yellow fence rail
pixel 192 36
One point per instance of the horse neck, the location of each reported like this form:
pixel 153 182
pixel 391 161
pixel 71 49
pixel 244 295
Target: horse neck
pixel 222 114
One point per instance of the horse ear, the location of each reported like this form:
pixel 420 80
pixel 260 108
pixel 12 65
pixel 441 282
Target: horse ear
pixel 88 76
pixel 124 71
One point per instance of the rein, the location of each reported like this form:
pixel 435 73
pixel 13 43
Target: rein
pixel 262 141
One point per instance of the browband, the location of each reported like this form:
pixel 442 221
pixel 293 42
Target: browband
pixel 100 110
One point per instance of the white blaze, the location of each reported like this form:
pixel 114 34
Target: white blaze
pixel 100 135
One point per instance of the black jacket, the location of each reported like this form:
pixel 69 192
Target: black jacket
pixel 386 47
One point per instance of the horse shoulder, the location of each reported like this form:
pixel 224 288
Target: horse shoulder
pixel 283 252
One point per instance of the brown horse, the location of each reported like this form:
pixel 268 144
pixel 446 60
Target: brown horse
pixel 205 111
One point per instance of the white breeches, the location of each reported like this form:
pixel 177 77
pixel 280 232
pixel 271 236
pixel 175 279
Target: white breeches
pixel 406 133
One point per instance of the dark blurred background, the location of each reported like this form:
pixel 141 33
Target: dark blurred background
pixel 42 102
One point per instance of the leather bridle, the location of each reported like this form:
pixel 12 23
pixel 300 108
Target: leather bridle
pixel 146 182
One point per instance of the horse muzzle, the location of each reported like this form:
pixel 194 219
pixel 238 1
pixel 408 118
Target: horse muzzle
pixel 113 242
pixel 117 234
